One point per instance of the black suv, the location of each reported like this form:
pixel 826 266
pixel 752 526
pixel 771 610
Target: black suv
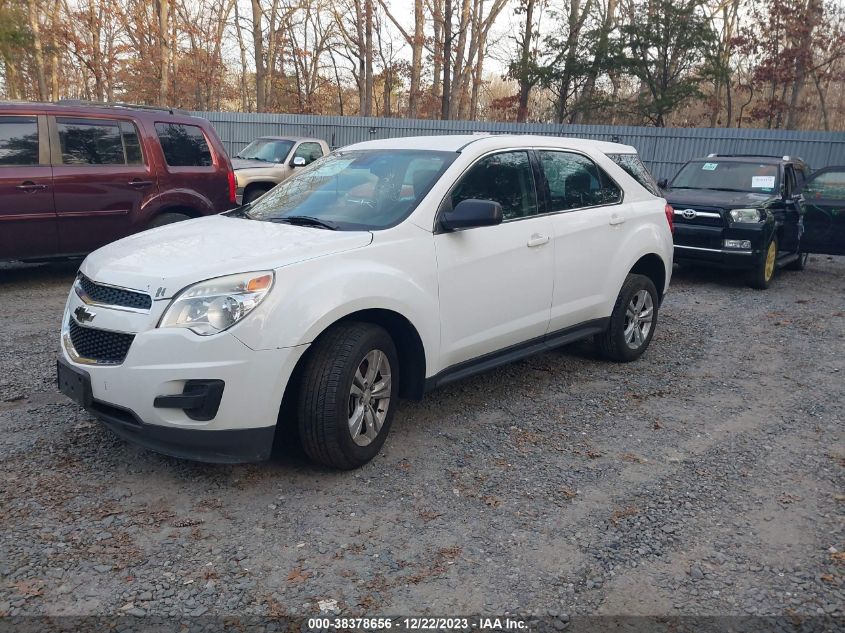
pixel 750 213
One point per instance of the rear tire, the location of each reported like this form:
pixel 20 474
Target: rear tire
pixel 254 194
pixel 800 263
pixel 348 395
pixel 167 218
pixel 632 322
pixel 764 270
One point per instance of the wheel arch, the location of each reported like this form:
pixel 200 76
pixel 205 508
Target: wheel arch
pixel 652 266
pixel 264 185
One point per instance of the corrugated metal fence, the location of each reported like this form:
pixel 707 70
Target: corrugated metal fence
pixel 664 150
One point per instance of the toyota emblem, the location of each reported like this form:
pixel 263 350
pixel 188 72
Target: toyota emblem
pixel 689 214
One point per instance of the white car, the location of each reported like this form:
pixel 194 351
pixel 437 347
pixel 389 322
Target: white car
pixel 380 271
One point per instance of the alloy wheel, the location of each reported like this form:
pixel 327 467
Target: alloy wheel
pixel 369 397
pixel 638 319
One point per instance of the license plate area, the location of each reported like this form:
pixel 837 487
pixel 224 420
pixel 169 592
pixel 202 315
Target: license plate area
pixel 74 383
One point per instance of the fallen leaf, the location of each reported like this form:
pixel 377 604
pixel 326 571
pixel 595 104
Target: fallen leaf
pixel 298 575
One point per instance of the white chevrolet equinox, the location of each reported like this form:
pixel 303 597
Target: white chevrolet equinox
pixel 380 271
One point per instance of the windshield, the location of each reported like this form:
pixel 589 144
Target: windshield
pixel 268 150
pixel 728 176
pixel 355 190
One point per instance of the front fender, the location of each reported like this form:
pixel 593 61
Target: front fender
pixel 310 296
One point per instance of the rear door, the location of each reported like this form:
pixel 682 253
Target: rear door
pixel 27 212
pixel 101 180
pixel 824 212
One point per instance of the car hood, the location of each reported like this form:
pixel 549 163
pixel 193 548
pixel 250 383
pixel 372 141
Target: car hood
pixel 681 198
pixel 247 163
pixel 180 254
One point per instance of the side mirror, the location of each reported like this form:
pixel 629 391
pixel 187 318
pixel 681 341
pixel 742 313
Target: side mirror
pixel 663 183
pixel 298 161
pixel 471 213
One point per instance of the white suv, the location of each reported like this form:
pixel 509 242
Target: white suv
pixel 381 271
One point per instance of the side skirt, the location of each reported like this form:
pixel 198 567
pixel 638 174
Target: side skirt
pixel 517 352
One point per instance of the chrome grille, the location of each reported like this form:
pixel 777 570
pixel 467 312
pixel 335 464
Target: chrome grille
pixel 704 216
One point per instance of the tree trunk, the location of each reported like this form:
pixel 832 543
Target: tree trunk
pixel 258 48
pixel 242 49
pixel 416 58
pixel 366 108
pixel 525 82
pixel 447 60
pixel 437 85
pixel 37 52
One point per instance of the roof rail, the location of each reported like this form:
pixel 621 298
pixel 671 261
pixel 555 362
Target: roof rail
pixel 749 156
pixel 108 104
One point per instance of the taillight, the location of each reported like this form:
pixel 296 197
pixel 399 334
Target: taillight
pixel 232 185
pixel 670 217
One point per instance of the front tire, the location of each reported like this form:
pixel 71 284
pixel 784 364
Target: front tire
pixel 254 194
pixel 764 270
pixel 348 395
pixel 167 218
pixel 632 322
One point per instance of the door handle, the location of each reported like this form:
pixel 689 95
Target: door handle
pixel 616 219
pixel 140 183
pixel 537 240
pixel 28 185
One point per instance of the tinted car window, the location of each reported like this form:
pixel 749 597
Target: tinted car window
pixel 829 185
pixel 18 140
pixel 131 144
pixel 309 151
pixel 506 178
pixel 90 141
pixel 183 145
pixel 634 167
pixel 575 181
pixel 728 176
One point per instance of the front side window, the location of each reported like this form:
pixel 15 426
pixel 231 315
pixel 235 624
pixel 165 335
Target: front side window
pixel 183 145
pixel 719 175
pixel 18 140
pixel 575 181
pixel 266 150
pixel 828 185
pixel 506 178
pixel 90 141
pixel 354 190
pixel 309 151
pixel 634 167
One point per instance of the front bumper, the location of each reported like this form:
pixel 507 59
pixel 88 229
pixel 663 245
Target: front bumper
pixel 703 245
pixel 151 397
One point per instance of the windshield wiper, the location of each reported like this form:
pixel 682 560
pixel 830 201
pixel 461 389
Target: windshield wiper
pixel 307 220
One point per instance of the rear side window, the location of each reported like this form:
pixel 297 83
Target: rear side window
pixel 575 181
pixel 90 141
pixel 18 140
pixel 309 151
pixel 183 145
pixel 634 167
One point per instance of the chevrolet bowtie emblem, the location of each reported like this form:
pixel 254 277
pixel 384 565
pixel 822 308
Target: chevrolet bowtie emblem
pixel 84 315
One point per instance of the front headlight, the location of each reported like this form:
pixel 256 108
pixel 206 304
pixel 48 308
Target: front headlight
pixel 746 215
pixel 217 304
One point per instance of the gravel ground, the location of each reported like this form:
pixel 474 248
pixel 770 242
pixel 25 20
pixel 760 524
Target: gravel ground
pixel 706 478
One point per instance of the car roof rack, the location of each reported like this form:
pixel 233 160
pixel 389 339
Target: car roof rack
pixel 782 157
pixel 118 104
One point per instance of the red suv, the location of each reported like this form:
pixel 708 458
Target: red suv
pixel 75 176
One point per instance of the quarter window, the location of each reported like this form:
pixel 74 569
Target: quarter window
pixel 183 145
pixel 309 151
pixel 575 181
pixel 18 140
pixel 506 178
pixel 90 141
pixel 634 167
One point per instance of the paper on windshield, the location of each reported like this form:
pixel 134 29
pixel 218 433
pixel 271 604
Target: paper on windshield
pixel 762 182
pixel 709 166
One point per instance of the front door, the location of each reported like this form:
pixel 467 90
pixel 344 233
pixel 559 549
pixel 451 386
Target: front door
pixel 101 180
pixel 824 212
pixel 27 213
pixel 496 281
